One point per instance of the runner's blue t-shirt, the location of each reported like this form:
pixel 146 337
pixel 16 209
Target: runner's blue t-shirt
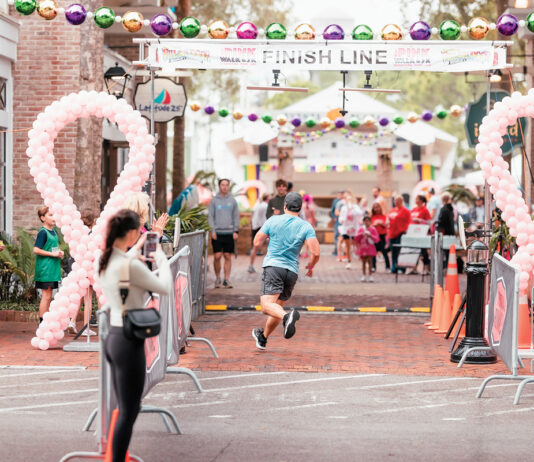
pixel 287 234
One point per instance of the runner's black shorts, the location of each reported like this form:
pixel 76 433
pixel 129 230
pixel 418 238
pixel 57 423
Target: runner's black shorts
pixel 275 280
pixel 223 243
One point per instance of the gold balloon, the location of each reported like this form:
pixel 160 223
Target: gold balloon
pixel 369 121
pixel 325 122
pixel 412 117
pixel 391 32
pixel 478 28
pixel 218 30
pixel 132 21
pixel 281 119
pixel 237 115
pixel 47 9
pixel 304 32
pixel 456 111
pixel 195 107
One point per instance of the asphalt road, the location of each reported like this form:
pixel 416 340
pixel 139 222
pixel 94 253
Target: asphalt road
pixel 278 416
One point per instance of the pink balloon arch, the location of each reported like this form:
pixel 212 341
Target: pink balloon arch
pixel 84 247
pixel 515 211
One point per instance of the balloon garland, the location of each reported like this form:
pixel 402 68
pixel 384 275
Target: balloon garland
pixel 508 197
pixel 161 25
pixel 84 247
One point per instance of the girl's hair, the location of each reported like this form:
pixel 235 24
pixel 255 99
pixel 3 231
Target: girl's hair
pixel 138 202
pixel 376 206
pixel 421 198
pixel 88 217
pixel 118 226
pixel 42 211
pixel 366 217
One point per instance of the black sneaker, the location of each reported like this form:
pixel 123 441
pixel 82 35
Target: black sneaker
pixel 261 341
pixel 289 323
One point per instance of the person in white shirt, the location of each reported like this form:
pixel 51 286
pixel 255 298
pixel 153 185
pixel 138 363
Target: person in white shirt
pixel 433 206
pixel 259 217
pixel 127 356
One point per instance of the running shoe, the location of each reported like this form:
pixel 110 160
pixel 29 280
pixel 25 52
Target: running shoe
pixel 261 341
pixel 251 269
pixel 218 283
pixel 88 332
pixel 227 284
pixel 371 279
pixel 363 279
pixel 289 323
pixel 348 266
pixel 72 328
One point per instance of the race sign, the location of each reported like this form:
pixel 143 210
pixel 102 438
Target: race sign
pixel 434 56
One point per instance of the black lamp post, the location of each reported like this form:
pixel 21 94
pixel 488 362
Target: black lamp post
pixel 116 80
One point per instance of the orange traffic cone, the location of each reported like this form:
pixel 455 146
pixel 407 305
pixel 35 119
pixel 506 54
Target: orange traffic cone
pixel 523 323
pixel 445 318
pixel 109 449
pixel 437 288
pixel 451 281
pixel 436 308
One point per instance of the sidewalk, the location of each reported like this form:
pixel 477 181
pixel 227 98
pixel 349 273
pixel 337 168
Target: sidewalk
pixel 331 285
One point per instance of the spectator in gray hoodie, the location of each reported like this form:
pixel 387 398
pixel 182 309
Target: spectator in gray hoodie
pixel 223 219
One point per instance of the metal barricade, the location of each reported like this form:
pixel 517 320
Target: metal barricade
pixel 197 242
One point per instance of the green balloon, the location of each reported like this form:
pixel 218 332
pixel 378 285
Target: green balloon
pixel 449 30
pixel 354 123
pixel 25 7
pixel 189 27
pixel 310 123
pixel 530 22
pixel 398 120
pixel 441 114
pixel 362 32
pixel 104 17
pixel 275 31
pixel 223 112
pixel 267 118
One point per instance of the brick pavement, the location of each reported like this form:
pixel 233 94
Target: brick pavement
pixel 331 285
pixel 326 342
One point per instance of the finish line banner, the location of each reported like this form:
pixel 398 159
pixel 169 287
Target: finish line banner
pixel 354 55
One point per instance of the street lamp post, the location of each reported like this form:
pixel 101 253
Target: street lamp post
pixel 116 80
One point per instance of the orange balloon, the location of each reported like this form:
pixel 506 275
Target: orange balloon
pixel 391 32
pixel 478 28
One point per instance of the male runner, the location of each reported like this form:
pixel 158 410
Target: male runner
pixel 287 234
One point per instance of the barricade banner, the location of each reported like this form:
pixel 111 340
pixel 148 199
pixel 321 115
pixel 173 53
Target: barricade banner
pixel 502 311
pixel 434 56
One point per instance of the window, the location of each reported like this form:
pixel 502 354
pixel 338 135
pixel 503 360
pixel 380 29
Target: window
pixel 3 94
pixel 122 158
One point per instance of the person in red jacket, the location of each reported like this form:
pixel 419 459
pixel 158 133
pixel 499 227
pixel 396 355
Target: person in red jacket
pixel 421 216
pixel 399 219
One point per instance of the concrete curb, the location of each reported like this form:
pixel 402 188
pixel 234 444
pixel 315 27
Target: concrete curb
pixel 362 309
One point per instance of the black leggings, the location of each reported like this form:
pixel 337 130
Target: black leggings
pixel 128 366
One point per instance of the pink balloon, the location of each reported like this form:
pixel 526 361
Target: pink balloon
pixel 43 345
pixel 35 342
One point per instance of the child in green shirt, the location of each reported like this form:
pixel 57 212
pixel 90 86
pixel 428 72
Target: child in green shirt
pixel 48 259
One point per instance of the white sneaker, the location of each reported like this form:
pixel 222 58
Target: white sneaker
pixel 363 279
pixel 218 283
pixel 348 266
pixel 72 327
pixel 371 279
pixel 88 332
pixel 251 269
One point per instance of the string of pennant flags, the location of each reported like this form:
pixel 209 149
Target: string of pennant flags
pixel 189 27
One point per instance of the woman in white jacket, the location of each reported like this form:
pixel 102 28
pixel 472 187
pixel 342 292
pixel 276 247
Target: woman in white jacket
pixel 127 357
pixel 349 223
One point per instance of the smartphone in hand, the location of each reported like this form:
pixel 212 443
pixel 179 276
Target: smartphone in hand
pixel 150 244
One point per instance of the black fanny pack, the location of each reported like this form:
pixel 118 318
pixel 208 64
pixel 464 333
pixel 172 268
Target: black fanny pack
pixel 138 323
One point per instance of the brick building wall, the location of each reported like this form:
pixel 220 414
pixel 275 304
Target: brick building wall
pixel 47 68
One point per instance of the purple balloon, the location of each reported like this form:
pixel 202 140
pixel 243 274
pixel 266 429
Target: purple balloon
pixel 427 116
pixel 161 24
pixel 384 122
pixel 507 24
pixel 252 117
pixel 340 123
pixel 246 31
pixel 333 32
pixel 75 14
pixel 209 110
pixel 296 122
pixel 420 31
